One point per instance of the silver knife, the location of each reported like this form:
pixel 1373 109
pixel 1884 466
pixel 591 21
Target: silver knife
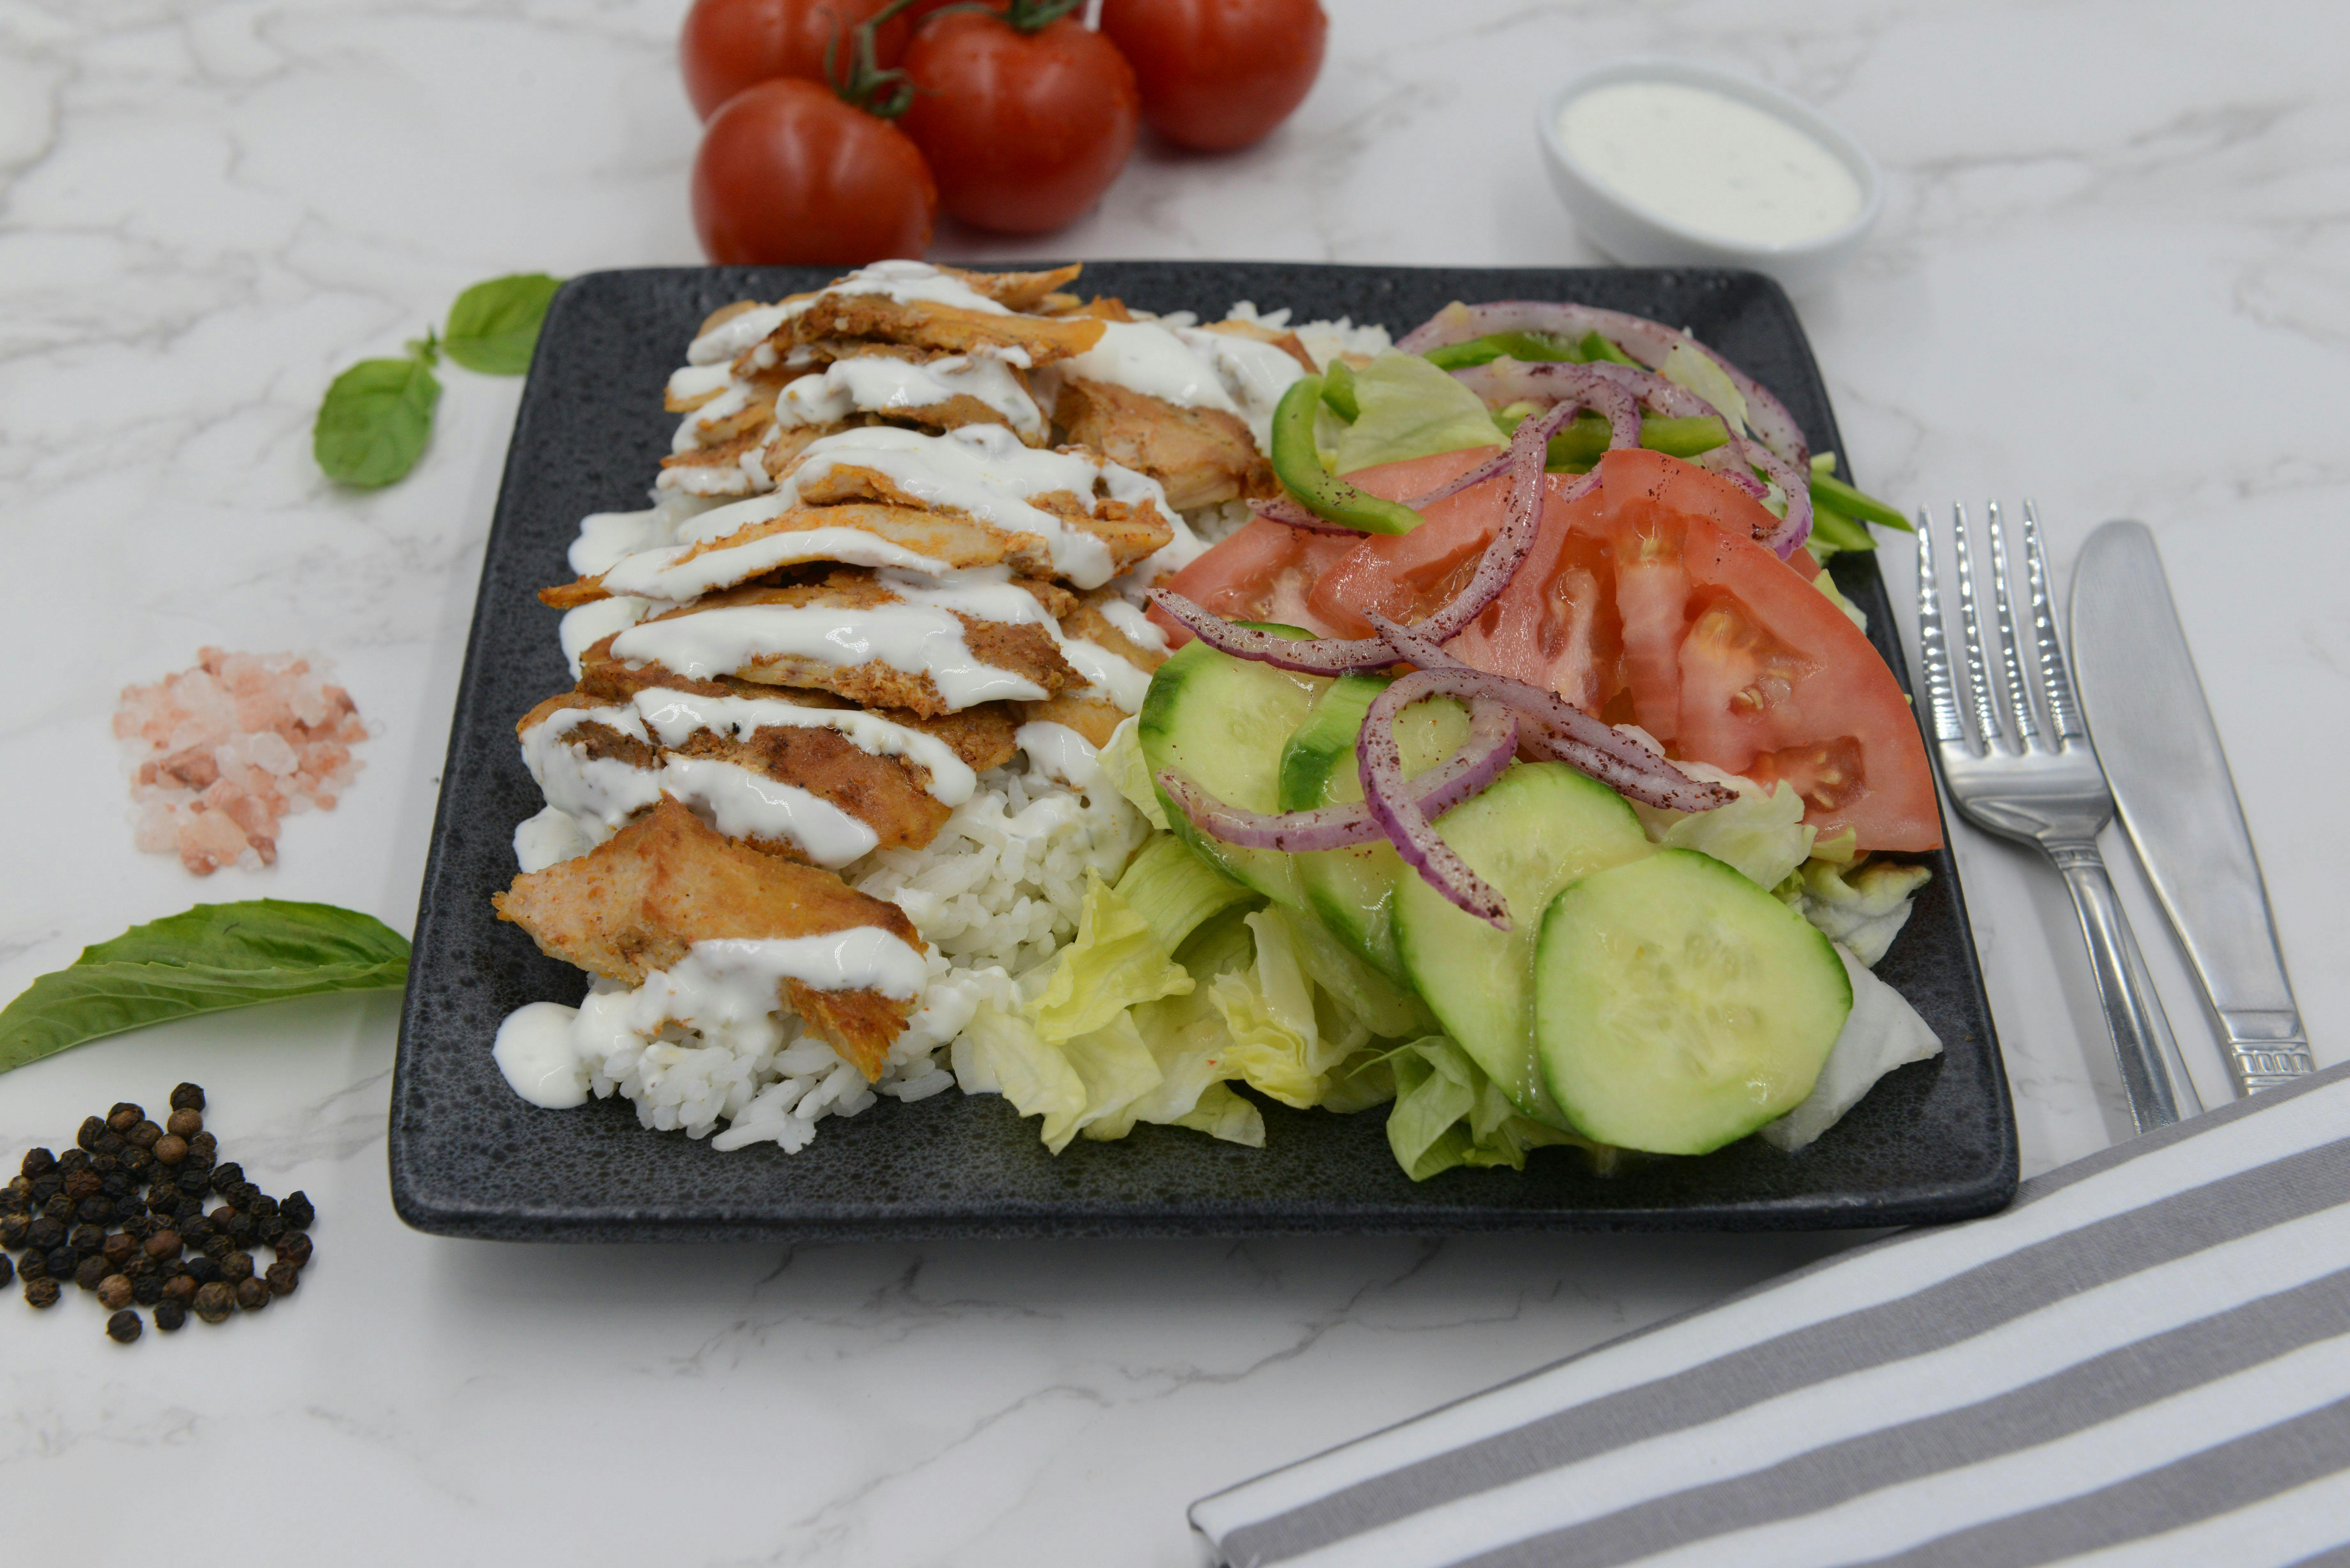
pixel 2153 732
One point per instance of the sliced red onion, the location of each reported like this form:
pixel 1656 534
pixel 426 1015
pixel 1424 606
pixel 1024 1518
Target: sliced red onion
pixel 1561 731
pixel 1492 743
pixel 1289 514
pixel 1379 762
pixel 1551 381
pixel 1508 381
pixel 1646 341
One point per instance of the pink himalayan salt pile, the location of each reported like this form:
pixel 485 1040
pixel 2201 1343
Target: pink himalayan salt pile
pixel 222 752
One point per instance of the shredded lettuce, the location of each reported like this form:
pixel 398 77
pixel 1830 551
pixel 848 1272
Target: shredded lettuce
pixel 1408 408
pixel 1862 904
pixel 1882 1033
pixel 1447 1112
pixel 1122 763
pixel 1689 365
pixel 1761 835
pixel 1115 960
pixel 1387 1010
pixel 1175 889
pixel 1280 1045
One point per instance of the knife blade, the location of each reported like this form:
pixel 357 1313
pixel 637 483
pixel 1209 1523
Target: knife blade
pixel 2152 729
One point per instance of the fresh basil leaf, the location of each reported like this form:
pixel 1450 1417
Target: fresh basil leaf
pixel 212 958
pixel 493 325
pixel 375 421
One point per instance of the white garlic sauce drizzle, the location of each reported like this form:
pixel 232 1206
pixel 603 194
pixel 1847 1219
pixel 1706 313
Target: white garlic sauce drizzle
pixel 883 384
pixel 1190 366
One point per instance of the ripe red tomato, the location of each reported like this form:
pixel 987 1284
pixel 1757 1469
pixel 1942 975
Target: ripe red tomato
pixel 1218 74
pixel 728 44
pixel 1024 130
pixel 1647 601
pixel 788 172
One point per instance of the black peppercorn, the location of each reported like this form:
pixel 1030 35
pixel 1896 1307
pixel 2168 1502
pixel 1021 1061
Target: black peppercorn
pixel 295 1247
pixel 44 1233
pixel 117 1249
pixel 188 1097
pixel 179 1288
pixel 14 1229
pixel 199 1160
pixel 37 1162
pixel 252 1295
pixel 262 1206
pixel 115 1183
pixel 185 1123
pixel 17 1198
pixel 124 1114
pixel 84 1183
pixel 204 1142
pixel 239 1228
pixel 140 1163
pixel 41 1293
pixel 95 1210
pixel 108 1142
pixel 236 1267
pixel 60 1209
pixel 149 1291
pixel 8 1271
pixel 128 1207
pixel 86 1239
pixel 142 1227
pixel 202 1269
pixel 142 1134
pixel 139 1266
pixel 114 1291
pixel 75 1158
pixel 92 1269
pixel 164 1244
pixel 91 1127
pixel 225 1175
pixel 269 1227
pixel 214 1301
pixel 281 1277
pixel 45 1187
pixel 187 1211
pixel 169 1149
pixel 60 1262
pixel 190 1181
pixel 124 1327
pixel 194 1229
pixel 170 1314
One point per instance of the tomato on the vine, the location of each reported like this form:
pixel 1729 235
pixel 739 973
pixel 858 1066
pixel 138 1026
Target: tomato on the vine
pixel 1218 74
pixel 728 44
pixel 1025 114
pixel 789 173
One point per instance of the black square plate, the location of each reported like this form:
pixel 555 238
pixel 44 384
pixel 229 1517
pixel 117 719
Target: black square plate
pixel 1933 1141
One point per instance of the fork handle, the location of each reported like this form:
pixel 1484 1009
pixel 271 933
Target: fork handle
pixel 2160 1092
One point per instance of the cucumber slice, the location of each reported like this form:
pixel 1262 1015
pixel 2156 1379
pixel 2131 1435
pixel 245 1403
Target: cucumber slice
pixel 1224 722
pixel 1677 1006
pixel 1538 827
pixel 1352 890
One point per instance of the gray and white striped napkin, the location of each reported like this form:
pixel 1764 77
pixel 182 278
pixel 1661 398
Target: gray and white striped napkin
pixel 2146 1359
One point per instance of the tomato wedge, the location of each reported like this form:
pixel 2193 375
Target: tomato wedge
pixel 1647 601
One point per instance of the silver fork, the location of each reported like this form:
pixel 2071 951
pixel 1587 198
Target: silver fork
pixel 2025 786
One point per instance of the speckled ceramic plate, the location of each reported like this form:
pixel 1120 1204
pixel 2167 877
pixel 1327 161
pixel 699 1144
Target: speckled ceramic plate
pixel 1934 1141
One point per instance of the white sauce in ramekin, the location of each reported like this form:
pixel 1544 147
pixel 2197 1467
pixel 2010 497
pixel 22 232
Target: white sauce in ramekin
pixel 1709 162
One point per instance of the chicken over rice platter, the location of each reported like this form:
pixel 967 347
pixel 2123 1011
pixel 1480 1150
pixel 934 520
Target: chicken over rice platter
pixel 916 744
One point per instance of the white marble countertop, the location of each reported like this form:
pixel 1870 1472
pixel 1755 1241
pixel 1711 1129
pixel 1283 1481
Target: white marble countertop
pixel 2114 274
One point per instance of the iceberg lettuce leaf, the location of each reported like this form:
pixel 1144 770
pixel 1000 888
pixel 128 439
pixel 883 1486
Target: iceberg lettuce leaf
pixel 1115 960
pixel 1882 1031
pixel 1175 889
pixel 1863 904
pixel 1447 1112
pixel 1122 763
pixel 1761 835
pixel 1410 408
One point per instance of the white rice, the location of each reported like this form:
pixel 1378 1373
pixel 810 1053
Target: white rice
pixel 995 895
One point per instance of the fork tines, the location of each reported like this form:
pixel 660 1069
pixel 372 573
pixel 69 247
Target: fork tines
pixel 2020 730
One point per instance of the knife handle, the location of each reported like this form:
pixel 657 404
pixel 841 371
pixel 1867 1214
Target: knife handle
pixel 2268 1045
pixel 2156 1078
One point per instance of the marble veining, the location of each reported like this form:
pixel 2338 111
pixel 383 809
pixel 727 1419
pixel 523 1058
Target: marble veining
pixel 2113 274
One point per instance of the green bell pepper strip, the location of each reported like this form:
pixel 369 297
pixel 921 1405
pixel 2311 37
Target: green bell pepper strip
pixel 1298 466
pixel 1603 350
pixel 1832 528
pixel 1587 435
pixel 1827 490
pixel 1339 391
pixel 1530 347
